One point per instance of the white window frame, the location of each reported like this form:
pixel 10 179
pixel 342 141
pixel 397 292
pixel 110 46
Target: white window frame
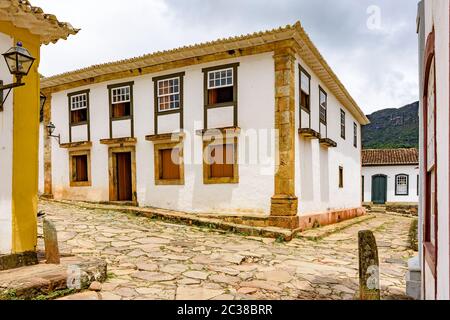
pixel 215 72
pixel 168 94
pixel 80 104
pixel 120 95
pixel 399 185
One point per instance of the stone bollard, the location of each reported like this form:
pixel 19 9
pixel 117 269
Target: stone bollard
pixel 51 243
pixel 369 267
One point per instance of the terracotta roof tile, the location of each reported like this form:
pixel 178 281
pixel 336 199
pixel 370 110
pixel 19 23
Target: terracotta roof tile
pixel 383 157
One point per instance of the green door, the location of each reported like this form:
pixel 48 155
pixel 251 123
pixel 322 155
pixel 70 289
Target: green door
pixel 379 189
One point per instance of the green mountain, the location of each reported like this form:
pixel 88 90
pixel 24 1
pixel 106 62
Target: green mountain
pixel 393 128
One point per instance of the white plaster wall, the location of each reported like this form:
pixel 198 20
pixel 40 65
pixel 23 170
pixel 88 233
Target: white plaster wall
pixel 6 145
pixel 317 168
pixel 169 123
pixel 437 16
pixel 391 172
pixel 121 129
pixel 220 117
pixel 80 133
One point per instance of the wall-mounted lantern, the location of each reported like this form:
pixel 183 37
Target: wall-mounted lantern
pixel 50 129
pixel 19 62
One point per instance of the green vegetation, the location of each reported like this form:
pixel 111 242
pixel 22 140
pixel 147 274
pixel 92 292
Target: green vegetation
pixel 393 128
pixel 55 294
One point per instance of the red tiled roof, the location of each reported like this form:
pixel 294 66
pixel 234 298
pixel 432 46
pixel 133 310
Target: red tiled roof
pixel 385 157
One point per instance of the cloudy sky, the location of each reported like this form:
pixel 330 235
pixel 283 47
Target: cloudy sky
pixel 370 44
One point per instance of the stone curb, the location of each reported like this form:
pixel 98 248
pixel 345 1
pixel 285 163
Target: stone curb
pixel 318 234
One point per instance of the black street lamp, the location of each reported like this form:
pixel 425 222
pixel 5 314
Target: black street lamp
pixel 50 129
pixel 19 62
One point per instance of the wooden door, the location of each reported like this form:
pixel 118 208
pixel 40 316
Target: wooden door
pixel 379 189
pixel 124 183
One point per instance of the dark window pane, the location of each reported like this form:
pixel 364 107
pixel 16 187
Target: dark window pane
pixel 220 95
pixel 78 116
pixel 120 110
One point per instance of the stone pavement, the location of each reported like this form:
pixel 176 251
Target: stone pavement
pixel 149 259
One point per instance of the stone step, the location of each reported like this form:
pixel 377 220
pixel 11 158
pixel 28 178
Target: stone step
pixel 378 209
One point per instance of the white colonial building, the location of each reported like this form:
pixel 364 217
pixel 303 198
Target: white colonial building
pixel 434 41
pixel 391 177
pixel 251 125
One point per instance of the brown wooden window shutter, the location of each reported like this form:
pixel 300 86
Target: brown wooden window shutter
pixel 169 164
pixel 80 166
pixel 223 166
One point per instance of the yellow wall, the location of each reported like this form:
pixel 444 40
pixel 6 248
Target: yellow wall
pixel 25 147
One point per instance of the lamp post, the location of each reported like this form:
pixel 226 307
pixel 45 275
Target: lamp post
pixel 19 62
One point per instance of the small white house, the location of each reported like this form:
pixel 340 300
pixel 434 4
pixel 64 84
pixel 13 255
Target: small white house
pixel 391 177
pixel 433 23
pixel 252 125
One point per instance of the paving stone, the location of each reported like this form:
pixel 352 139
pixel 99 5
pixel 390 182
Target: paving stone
pixel 95 286
pixel 87 295
pixel 109 296
pixel 147 267
pixel 278 276
pixel 153 276
pixel 224 279
pixel 266 285
pixel 196 275
pixel 174 268
pixel 193 293
pixel 247 290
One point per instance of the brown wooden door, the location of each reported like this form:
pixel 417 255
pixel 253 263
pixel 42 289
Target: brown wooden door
pixel 124 184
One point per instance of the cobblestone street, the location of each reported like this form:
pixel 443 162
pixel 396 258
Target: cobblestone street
pixel 149 259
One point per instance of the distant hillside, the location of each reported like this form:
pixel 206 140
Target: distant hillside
pixel 393 128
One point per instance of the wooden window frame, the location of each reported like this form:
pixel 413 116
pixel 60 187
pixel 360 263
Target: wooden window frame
pixel 130 117
pixel 323 121
pixel 233 104
pixel 407 185
pixel 341 177
pixel 73 154
pixel 157 163
pixel 343 124
pixel 355 135
pixel 87 122
pixel 207 179
pixel 307 109
pixel 180 110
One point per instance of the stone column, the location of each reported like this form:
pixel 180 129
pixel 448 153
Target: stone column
pixel 48 192
pixel 284 202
